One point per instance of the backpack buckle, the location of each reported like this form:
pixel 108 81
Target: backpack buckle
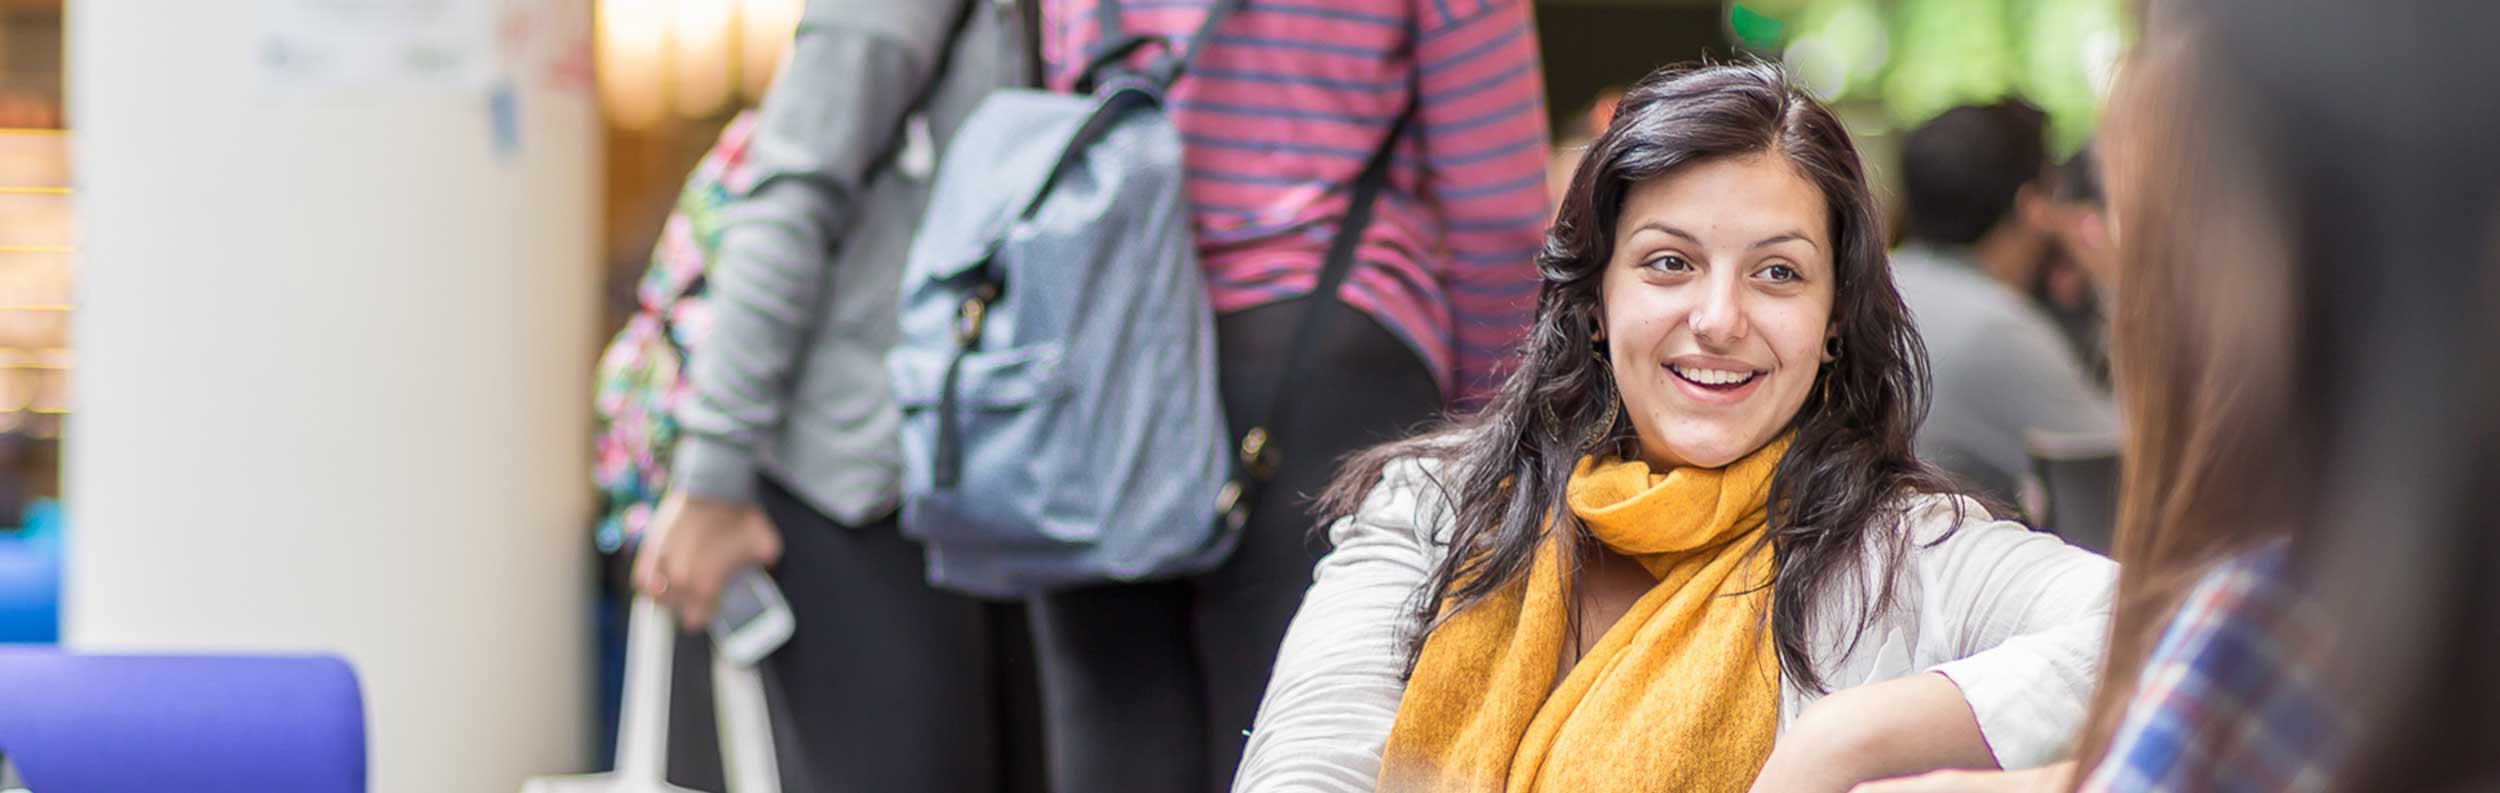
pixel 1257 456
pixel 1230 505
pixel 974 314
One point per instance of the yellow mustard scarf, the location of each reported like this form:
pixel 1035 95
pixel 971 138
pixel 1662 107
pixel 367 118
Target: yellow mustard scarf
pixel 1681 694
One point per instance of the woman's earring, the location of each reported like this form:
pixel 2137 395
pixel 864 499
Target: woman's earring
pixel 1831 355
pixel 1605 429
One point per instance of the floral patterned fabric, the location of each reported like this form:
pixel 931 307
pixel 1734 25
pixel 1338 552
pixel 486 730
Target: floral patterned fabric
pixel 641 375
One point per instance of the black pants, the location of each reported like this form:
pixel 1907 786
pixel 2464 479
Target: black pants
pixel 1151 687
pixel 886 685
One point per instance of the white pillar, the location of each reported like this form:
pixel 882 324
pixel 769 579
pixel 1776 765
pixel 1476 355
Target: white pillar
pixel 333 353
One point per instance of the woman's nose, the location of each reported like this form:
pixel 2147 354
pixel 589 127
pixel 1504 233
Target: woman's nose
pixel 1719 319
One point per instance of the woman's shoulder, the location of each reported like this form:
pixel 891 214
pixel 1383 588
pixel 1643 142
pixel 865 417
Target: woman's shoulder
pixel 1413 494
pixel 1951 540
pixel 1422 472
pixel 1953 534
pixel 1926 518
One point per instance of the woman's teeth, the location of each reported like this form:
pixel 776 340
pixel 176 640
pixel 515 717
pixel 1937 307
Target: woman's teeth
pixel 1712 377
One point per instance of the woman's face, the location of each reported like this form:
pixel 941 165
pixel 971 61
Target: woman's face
pixel 1716 306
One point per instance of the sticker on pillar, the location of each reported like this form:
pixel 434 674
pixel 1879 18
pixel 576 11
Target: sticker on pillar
pixel 503 107
pixel 364 45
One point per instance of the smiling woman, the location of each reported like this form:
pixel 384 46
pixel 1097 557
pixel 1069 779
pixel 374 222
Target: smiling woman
pixel 1692 512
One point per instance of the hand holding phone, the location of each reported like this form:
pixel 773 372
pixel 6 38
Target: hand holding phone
pixel 694 547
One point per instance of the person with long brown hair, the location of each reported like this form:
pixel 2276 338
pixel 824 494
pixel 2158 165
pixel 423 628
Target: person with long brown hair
pixel 2306 346
pixel 1691 513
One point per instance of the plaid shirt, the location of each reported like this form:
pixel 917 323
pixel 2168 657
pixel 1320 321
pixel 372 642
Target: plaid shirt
pixel 2229 702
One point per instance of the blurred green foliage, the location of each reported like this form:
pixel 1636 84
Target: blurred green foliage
pixel 1917 58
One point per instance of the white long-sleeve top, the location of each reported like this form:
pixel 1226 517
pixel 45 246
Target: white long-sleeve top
pixel 2015 618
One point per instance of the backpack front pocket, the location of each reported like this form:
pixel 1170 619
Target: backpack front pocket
pixel 970 422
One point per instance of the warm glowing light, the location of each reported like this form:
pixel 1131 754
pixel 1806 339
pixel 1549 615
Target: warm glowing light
pixel 701 62
pixel 764 31
pixel 632 53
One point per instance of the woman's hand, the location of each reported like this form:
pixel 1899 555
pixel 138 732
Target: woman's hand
pixel 1890 729
pixel 692 548
pixel 2045 779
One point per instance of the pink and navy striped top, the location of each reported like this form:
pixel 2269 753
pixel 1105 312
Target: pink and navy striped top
pixel 1278 116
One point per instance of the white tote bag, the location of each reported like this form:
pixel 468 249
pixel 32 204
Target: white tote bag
pixel 746 729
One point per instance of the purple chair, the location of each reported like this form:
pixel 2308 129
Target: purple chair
pixel 74 723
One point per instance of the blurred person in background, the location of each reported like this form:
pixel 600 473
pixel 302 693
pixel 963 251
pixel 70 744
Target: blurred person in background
pixel 789 453
pixel 2077 271
pixel 1150 686
pixel 1689 546
pixel 2308 347
pixel 2002 366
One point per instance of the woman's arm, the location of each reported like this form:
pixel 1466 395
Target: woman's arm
pixel 2009 625
pixel 854 70
pixel 2045 779
pixel 1341 671
pixel 1901 726
pixel 2018 620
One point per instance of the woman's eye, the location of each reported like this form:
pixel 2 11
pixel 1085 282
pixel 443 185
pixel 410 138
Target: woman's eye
pixel 1782 273
pixel 1668 263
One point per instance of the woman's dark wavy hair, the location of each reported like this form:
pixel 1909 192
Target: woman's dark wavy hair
pixel 1834 498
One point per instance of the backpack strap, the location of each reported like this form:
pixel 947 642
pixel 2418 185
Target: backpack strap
pixel 1256 457
pixel 1107 58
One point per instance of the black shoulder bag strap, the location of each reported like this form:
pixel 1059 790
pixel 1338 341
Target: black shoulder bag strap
pixel 1256 456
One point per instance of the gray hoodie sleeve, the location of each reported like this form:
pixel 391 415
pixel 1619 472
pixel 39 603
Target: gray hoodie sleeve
pixel 836 109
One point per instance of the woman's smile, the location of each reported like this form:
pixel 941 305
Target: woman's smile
pixel 1712 380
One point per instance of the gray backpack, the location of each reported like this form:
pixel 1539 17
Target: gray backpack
pixel 1061 423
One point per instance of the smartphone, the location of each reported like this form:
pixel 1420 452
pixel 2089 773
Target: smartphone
pixel 753 619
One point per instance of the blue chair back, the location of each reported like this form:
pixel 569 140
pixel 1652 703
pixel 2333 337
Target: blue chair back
pixel 74 723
